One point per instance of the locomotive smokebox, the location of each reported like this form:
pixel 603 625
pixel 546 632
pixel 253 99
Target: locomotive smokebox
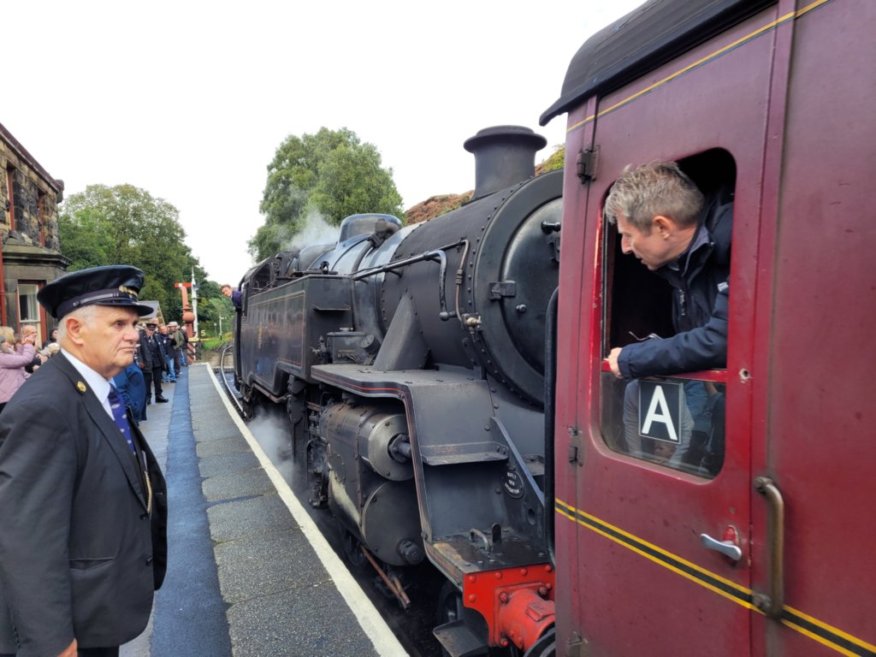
pixel 504 156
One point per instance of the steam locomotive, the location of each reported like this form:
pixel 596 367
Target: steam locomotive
pixel 411 364
pixel 450 408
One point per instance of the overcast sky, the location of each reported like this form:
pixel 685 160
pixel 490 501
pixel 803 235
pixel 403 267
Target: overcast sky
pixel 189 100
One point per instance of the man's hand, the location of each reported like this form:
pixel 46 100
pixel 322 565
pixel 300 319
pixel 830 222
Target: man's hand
pixel 613 355
pixel 69 651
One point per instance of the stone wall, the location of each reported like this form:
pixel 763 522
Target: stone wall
pixel 30 207
pixel 31 248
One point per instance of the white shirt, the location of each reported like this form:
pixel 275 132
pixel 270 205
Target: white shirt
pixel 99 385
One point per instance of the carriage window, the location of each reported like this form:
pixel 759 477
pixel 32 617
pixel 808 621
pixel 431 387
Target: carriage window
pixel 664 411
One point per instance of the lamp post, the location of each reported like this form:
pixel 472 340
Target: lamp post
pixel 195 302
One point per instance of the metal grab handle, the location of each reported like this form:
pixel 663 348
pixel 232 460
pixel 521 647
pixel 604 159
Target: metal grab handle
pixel 727 548
pixel 773 603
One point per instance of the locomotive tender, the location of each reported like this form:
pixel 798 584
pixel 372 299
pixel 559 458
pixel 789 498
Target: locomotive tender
pixel 411 364
pixel 412 369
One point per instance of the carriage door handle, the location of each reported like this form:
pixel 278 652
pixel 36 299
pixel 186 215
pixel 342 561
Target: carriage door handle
pixel 772 603
pixel 727 547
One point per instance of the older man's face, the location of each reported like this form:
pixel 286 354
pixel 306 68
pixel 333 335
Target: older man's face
pixel 109 339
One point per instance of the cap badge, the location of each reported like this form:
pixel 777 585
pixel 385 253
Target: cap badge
pixel 128 291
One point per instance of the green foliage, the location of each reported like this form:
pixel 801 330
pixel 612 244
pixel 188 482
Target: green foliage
pixel 555 160
pixel 331 173
pixel 126 225
pixel 213 344
pixel 216 314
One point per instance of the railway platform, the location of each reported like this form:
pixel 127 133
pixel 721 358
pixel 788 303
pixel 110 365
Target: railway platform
pixel 249 574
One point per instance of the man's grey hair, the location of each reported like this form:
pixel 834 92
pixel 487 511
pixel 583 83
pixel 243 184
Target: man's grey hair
pixel 84 315
pixel 657 188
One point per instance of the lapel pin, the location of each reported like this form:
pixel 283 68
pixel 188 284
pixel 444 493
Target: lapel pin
pixel 80 386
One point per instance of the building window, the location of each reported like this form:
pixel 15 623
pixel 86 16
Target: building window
pixel 29 308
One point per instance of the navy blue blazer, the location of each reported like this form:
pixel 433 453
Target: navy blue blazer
pixel 81 551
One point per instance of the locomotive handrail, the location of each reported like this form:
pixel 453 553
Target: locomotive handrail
pixel 442 271
pixel 550 390
pixel 433 255
pixel 398 264
pixel 773 603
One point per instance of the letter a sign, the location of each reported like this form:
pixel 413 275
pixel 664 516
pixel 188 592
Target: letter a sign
pixel 660 410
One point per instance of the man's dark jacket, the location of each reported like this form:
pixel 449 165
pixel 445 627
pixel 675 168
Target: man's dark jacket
pixel 79 554
pixel 151 352
pixel 700 293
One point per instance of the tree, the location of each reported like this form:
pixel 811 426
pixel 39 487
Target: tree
pixel 123 224
pixel 331 173
pixel 212 305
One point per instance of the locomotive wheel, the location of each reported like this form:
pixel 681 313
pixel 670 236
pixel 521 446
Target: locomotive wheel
pixel 546 646
pixel 247 401
pixel 449 607
pixel 353 550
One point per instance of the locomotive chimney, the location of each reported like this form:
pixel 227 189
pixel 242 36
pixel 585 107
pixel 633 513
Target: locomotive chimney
pixel 504 156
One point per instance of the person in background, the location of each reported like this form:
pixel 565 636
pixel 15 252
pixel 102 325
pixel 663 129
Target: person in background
pixel 28 335
pixel 53 338
pixel 177 339
pixel 184 352
pixel 131 385
pixel 232 294
pixel 152 361
pixel 169 375
pixel 50 350
pixel 83 502
pixel 13 363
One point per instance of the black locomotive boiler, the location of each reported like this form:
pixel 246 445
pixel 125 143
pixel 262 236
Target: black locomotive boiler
pixel 411 364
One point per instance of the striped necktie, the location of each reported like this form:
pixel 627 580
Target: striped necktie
pixel 120 417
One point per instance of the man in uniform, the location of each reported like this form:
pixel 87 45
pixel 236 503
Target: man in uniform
pixel 153 361
pixel 82 500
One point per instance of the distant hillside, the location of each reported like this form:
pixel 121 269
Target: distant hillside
pixel 435 206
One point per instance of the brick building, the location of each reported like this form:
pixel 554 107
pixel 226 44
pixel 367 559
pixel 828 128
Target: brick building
pixel 31 255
